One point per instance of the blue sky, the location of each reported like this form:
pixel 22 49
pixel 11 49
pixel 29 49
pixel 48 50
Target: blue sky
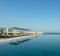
pixel 39 15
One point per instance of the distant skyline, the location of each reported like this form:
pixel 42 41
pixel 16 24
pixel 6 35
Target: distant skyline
pixel 39 15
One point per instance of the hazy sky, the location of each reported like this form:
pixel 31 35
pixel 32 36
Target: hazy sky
pixel 39 15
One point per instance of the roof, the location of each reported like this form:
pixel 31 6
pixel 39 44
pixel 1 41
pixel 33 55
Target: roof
pixel 16 28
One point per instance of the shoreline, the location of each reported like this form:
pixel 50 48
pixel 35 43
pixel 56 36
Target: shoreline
pixel 2 41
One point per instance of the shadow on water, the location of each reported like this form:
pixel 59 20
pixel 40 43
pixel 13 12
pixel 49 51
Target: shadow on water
pixel 14 44
pixel 22 41
pixel 19 42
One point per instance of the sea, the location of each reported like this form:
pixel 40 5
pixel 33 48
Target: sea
pixel 40 45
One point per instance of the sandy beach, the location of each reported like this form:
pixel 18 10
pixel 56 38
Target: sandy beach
pixel 2 41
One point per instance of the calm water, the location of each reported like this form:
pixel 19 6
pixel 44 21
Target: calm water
pixel 43 45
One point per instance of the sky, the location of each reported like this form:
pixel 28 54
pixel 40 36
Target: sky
pixel 38 15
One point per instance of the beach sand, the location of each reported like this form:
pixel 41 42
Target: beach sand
pixel 2 41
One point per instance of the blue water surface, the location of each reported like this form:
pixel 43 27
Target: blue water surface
pixel 42 45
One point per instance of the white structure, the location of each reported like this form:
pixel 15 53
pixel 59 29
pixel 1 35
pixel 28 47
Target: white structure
pixel 7 31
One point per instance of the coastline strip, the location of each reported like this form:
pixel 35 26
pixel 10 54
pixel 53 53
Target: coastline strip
pixel 2 41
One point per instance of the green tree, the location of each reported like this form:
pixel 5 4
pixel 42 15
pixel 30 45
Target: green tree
pixel 10 30
pixel 1 31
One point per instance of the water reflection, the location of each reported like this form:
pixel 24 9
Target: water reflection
pixel 36 37
pixel 19 42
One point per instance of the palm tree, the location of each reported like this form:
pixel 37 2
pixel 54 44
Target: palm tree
pixel 10 30
pixel 2 31
pixel 14 29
